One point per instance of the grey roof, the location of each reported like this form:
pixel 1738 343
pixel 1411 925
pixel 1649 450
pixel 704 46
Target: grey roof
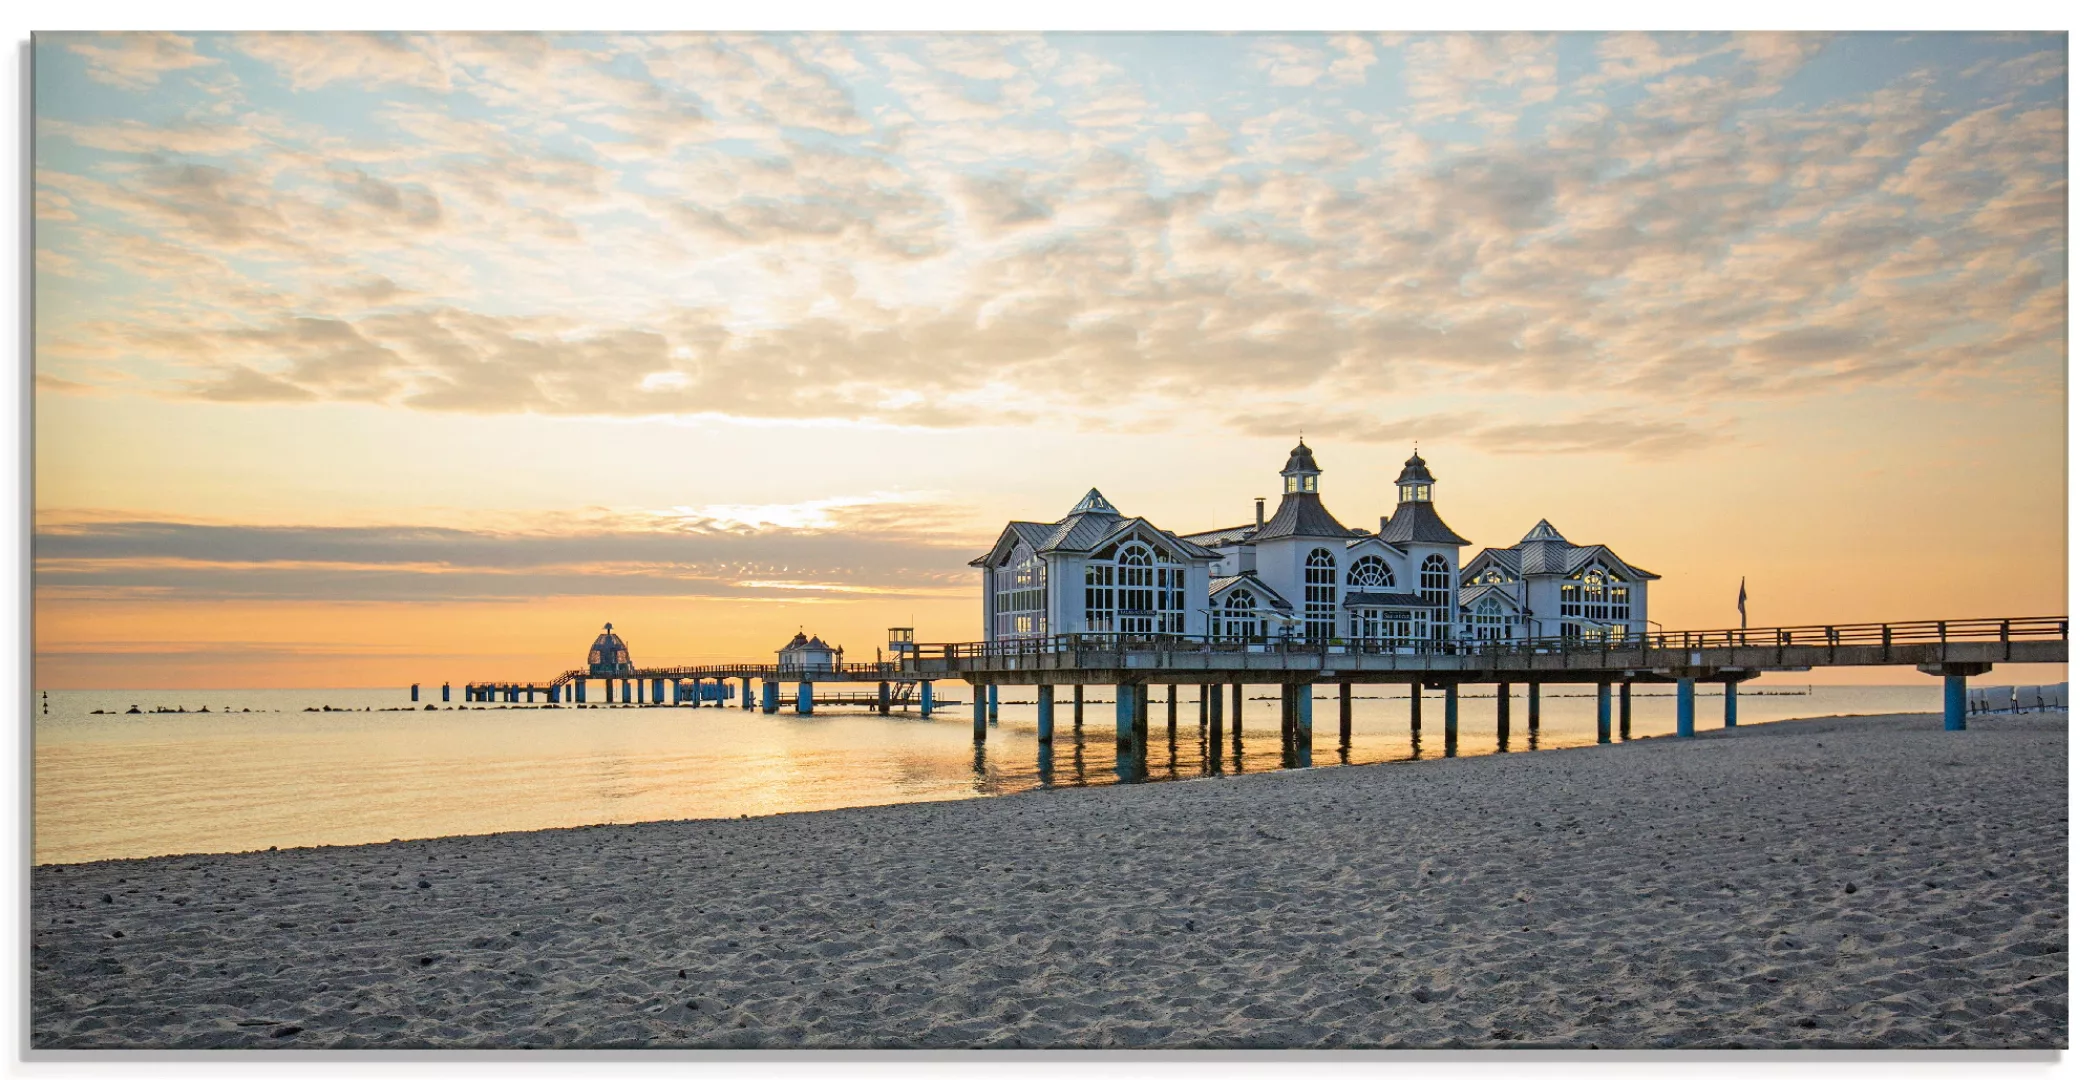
pixel 1275 599
pixel 1552 556
pixel 1418 523
pixel 1385 599
pixel 1300 460
pixel 1220 537
pixel 1083 531
pixel 1468 594
pixel 1543 530
pixel 1416 471
pixel 1301 514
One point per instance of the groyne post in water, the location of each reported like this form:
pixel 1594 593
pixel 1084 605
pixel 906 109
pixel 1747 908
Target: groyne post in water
pixel 415 692
pixel 448 691
pixel 1686 708
pixel 1045 713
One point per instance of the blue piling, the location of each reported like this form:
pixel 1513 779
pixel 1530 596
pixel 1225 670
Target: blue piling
pixel 771 690
pixel 991 702
pixel 448 691
pixel 925 698
pixel 1686 708
pixel 804 698
pixel 1603 712
pixel 1729 712
pixel 978 710
pixel 1304 716
pixel 1125 714
pixel 415 692
pixel 1956 703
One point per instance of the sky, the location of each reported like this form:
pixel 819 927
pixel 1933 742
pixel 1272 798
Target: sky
pixel 365 359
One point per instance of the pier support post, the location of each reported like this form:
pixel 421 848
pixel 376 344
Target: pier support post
pixel 1286 704
pixel 1348 712
pixel 1729 712
pixel 1202 710
pixel 991 702
pixel 772 697
pixel 1956 703
pixel 1450 718
pixel 1173 710
pixel 1045 713
pixel 1303 715
pixel 882 697
pixel 748 704
pixel 1534 709
pixel 1415 707
pixel 1603 712
pixel 977 711
pixel 626 691
pixel 1078 707
pixel 1501 716
pixel 1126 715
pixel 1686 708
pixel 804 698
pixel 925 698
pixel 721 692
pixel 1625 711
pixel 655 691
pixel 1238 709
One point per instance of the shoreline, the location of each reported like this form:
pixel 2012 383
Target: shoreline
pixel 1645 894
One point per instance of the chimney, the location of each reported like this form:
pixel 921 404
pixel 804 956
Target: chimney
pixel 1382 521
pixel 1260 512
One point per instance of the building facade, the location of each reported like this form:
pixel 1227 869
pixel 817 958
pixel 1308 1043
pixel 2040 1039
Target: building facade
pixel 1546 586
pixel 1300 575
pixel 806 653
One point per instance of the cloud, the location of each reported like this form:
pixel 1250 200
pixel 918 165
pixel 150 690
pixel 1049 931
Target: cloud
pixel 840 553
pixel 1611 430
pixel 136 60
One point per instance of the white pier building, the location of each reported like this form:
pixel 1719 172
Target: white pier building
pixel 1302 575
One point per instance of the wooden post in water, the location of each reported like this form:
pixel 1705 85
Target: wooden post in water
pixel 1625 711
pixel 1501 716
pixel 1347 713
pixel 1045 713
pixel 1603 712
pixel 1450 718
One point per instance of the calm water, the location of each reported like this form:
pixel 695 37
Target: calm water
pixel 119 786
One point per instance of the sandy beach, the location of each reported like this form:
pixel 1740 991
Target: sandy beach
pixel 1849 882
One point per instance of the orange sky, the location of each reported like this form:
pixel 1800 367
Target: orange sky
pixel 418 359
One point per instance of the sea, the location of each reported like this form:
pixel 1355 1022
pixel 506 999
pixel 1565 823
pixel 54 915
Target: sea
pixel 196 771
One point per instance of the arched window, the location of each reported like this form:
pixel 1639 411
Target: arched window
pixel 1242 619
pixel 1597 602
pixel 1435 588
pixel 1370 572
pixel 1319 595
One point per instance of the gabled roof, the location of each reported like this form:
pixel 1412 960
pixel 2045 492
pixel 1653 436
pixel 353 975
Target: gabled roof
pixel 1301 514
pixel 1418 523
pixel 1218 586
pixel 1544 552
pixel 1083 531
pixel 1470 594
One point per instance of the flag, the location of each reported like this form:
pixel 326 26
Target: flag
pixel 1742 603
